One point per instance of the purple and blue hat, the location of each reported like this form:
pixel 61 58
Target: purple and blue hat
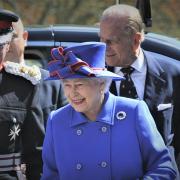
pixel 83 60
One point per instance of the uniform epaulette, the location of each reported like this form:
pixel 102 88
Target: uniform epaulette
pixel 31 73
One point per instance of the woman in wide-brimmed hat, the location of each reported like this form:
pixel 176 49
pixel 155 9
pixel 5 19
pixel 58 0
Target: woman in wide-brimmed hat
pixel 99 136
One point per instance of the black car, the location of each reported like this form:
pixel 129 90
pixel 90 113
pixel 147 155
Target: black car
pixel 43 39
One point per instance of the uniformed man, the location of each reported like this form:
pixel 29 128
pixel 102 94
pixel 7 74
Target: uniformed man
pixel 21 124
pixel 51 92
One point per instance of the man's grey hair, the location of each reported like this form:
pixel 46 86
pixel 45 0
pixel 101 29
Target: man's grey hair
pixel 128 18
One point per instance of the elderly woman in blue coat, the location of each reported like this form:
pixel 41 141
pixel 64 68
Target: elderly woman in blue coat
pixel 99 136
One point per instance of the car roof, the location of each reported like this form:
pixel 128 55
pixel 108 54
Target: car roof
pixel 64 35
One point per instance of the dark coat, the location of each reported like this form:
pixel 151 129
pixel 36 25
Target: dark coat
pixel 51 95
pixel 21 124
pixel 162 86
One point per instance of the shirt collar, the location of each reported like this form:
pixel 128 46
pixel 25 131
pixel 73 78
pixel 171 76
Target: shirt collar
pixel 106 114
pixel 138 64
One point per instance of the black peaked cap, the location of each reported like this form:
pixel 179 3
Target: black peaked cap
pixel 9 16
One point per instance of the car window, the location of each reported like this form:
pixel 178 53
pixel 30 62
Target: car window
pixel 37 56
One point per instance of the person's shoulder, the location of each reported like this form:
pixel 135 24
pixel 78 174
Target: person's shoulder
pixel 162 58
pixel 168 64
pixel 128 106
pixel 123 102
pixel 61 113
pixel 63 110
pixel 23 72
pixel 45 74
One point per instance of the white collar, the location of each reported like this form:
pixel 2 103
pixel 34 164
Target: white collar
pixel 138 64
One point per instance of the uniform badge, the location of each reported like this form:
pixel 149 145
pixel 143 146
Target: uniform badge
pixel 14 132
pixel 121 115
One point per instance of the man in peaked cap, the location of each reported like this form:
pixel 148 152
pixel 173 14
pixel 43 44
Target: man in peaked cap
pixel 52 90
pixel 21 121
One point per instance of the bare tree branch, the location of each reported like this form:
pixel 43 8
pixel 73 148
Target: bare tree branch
pixel 45 12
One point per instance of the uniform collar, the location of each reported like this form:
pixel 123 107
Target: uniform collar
pixel 106 114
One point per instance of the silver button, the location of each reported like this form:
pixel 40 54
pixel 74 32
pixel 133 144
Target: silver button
pixel 14 119
pixel 104 129
pixel 78 166
pixel 103 164
pixel 79 132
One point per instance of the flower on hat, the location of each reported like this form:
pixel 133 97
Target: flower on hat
pixel 31 73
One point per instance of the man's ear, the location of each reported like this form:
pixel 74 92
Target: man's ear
pixel 137 41
pixel 25 37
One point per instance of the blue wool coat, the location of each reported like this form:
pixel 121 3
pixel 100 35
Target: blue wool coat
pixel 123 143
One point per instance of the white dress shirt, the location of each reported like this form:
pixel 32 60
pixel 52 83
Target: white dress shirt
pixel 138 75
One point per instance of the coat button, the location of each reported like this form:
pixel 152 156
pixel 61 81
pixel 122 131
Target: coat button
pixel 78 166
pixel 104 129
pixel 14 119
pixel 79 132
pixel 103 164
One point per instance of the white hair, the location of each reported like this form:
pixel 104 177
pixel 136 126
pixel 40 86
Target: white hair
pixel 106 81
pixel 6 38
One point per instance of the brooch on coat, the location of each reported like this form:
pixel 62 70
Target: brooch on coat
pixel 121 115
pixel 31 73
